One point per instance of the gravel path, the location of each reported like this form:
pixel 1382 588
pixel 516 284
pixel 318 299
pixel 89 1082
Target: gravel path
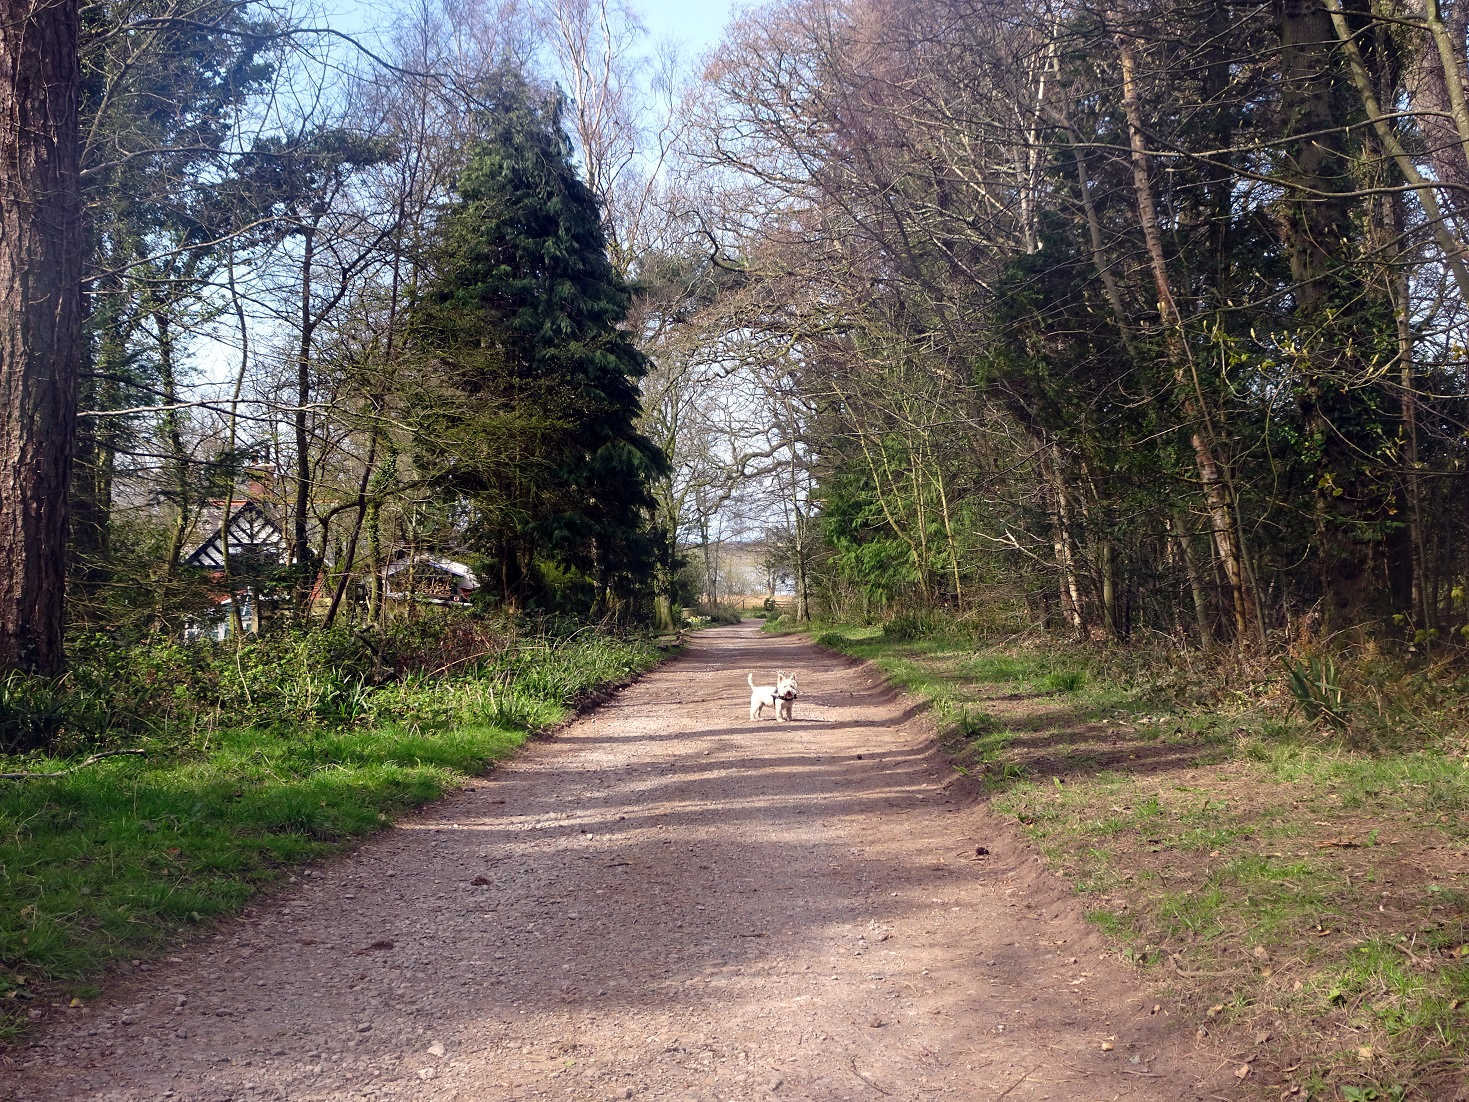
pixel 664 901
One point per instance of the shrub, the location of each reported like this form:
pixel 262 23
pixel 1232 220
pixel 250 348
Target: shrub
pixel 1317 690
pixel 436 669
pixel 914 625
pixel 1065 681
pixel 33 712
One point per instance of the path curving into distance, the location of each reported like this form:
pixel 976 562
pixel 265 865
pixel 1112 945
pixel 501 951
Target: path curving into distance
pixel 664 901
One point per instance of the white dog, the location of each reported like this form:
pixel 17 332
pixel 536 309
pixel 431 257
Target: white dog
pixel 779 696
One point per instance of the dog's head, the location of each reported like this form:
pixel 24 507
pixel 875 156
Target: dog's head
pixel 785 686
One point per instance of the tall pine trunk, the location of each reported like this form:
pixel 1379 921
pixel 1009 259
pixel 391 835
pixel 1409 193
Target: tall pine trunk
pixel 40 322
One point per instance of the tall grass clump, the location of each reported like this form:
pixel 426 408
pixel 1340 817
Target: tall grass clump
pixel 919 624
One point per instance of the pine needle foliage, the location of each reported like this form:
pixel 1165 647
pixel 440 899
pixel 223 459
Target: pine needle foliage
pixel 533 399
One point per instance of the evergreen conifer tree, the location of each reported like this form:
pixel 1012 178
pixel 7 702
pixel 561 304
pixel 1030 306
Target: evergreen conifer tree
pixel 532 399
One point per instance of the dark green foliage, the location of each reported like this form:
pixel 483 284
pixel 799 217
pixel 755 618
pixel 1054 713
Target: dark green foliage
pixel 530 400
pixel 865 553
pixel 914 625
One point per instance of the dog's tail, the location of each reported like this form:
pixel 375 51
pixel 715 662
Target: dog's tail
pixel 750 679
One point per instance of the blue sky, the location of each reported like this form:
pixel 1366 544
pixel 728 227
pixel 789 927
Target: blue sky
pixel 696 24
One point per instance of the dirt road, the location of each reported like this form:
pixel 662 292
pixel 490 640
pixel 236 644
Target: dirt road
pixel 664 901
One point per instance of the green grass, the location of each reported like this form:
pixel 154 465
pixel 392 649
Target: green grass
pixel 112 861
pixel 1299 872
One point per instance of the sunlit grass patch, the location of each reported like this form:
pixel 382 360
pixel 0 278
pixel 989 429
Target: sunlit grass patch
pixel 110 861
pixel 1404 1001
pixel 1120 926
pixel 104 862
pixel 1287 872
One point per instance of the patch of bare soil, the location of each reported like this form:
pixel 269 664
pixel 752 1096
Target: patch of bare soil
pixel 665 901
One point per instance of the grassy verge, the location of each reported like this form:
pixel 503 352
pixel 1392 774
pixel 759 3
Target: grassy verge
pixel 1306 894
pixel 111 861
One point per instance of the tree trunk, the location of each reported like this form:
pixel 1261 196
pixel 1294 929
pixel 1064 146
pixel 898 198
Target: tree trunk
pixel 376 607
pixel 924 557
pixel 1431 118
pixel 949 536
pixel 802 566
pixel 1317 168
pixel 1107 568
pixel 1218 494
pixel 350 554
pixel 709 551
pixel 1421 608
pixel 40 322
pixel 1183 538
pixel 237 623
pixel 178 460
pixel 1058 505
pixel 300 543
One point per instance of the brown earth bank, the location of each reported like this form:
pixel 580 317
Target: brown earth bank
pixel 664 901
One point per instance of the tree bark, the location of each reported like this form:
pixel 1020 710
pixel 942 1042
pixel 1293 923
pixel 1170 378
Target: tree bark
pixel 349 556
pixel 237 623
pixel 1394 219
pixel 40 322
pixel 949 536
pixel 1073 611
pixel 376 606
pixel 1451 248
pixel 300 542
pixel 1218 494
pixel 1183 538
pixel 178 460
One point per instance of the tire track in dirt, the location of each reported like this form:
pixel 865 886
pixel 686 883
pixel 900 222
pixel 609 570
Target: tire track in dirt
pixel 664 901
